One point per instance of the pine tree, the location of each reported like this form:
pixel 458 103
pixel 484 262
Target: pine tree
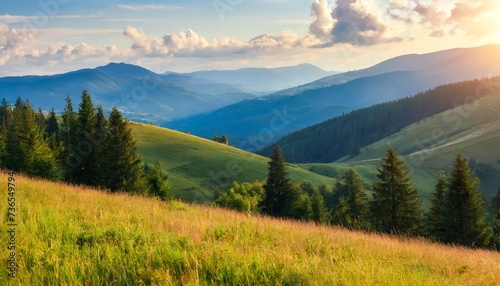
pixel 40 119
pixel 466 213
pixel 319 211
pixel 352 209
pixel 436 224
pixel 52 125
pixel 5 119
pixel 86 172
pixel 26 149
pixel 5 112
pixel 122 163
pixel 98 138
pixel 396 205
pixel 157 182
pixel 495 217
pixel 280 195
pixel 70 159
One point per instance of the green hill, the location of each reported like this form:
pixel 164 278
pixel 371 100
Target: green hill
pixel 67 235
pixel 197 167
pixel 429 146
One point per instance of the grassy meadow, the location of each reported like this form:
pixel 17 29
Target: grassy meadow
pixel 197 166
pixel 69 235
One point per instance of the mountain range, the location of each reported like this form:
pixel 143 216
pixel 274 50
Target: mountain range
pixel 147 96
pixel 262 81
pixel 254 123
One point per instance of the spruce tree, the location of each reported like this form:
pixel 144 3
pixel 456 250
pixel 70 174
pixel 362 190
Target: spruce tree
pixel 5 112
pixel 52 126
pixel 319 211
pixel 157 182
pixel 122 165
pixel 436 224
pixel 98 138
pixel 40 119
pixel 26 148
pixel 466 214
pixel 396 207
pixel 280 196
pixel 352 209
pixel 5 119
pixel 86 171
pixel 495 218
pixel 70 159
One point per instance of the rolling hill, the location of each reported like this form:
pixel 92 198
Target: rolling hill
pixel 68 235
pixel 398 79
pixel 430 145
pixel 342 136
pixel 198 167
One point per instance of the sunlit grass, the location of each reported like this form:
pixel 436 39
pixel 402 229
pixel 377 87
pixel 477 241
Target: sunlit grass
pixel 79 236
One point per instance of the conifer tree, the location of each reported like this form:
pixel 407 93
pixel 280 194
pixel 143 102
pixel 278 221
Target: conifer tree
pixel 157 182
pixel 465 218
pixel 495 217
pixel 280 196
pixel 319 211
pixel 98 139
pixel 5 118
pixel 52 124
pixel 40 119
pixel 70 159
pixel 352 209
pixel 121 162
pixel 26 149
pixel 5 112
pixel 396 205
pixel 436 224
pixel 86 171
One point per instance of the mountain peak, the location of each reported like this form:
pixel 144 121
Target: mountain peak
pixel 123 69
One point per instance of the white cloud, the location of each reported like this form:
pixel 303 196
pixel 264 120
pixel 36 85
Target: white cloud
pixel 472 17
pixel 12 42
pixel 323 22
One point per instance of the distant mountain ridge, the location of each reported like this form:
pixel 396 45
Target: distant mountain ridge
pixel 246 120
pixel 146 96
pixel 410 62
pixel 261 81
pixel 140 93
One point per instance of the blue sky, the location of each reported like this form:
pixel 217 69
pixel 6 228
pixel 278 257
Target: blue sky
pixel 53 36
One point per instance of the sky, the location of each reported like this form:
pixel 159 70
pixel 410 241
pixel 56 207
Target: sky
pixel 56 36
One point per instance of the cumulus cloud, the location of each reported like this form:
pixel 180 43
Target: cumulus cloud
pixel 323 22
pixel 12 42
pixel 474 17
pixel 189 43
pixel 150 46
pixel 355 26
pixel 185 41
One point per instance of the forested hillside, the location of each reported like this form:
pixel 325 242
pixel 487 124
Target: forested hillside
pixel 345 135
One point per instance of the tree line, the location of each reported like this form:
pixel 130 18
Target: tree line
pixel 458 213
pixel 83 147
pixel 359 128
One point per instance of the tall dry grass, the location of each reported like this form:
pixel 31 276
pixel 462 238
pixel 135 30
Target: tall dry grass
pixel 70 235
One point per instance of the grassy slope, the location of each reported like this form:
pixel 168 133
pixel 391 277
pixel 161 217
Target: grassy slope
pixel 197 165
pixel 76 236
pixel 430 146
